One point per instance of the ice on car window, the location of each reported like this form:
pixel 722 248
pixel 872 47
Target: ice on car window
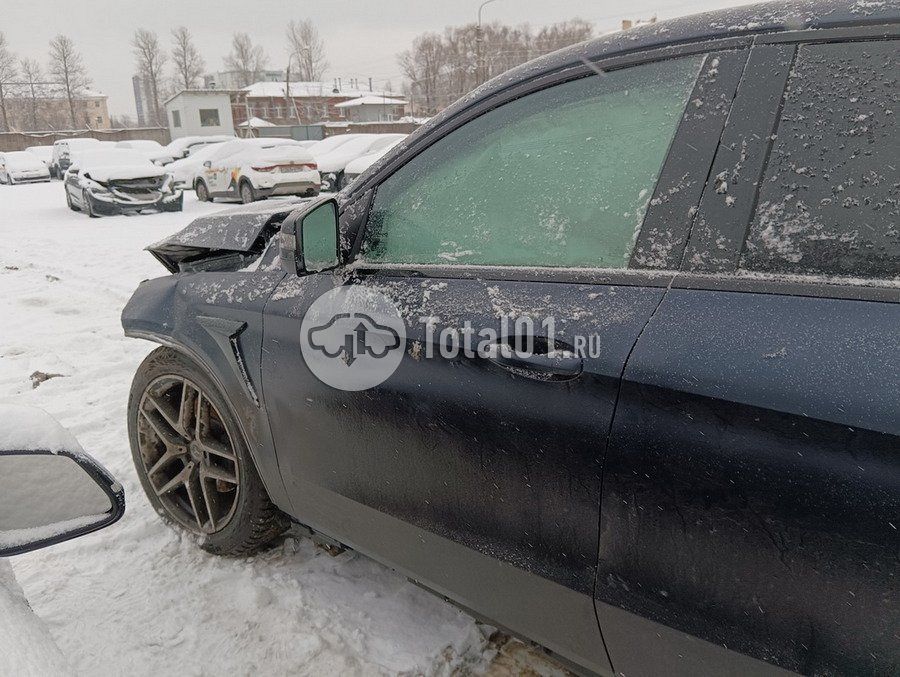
pixel 561 177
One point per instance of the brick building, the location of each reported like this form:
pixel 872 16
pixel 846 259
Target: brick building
pixel 308 103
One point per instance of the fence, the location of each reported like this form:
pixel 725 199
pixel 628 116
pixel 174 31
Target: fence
pixel 10 141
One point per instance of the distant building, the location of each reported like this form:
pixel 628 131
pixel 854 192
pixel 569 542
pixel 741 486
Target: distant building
pixel 232 79
pixel 308 102
pixel 45 107
pixel 371 108
pixel 199 112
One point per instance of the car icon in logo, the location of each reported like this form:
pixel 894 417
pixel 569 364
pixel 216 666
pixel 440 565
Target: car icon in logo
pixel 351 335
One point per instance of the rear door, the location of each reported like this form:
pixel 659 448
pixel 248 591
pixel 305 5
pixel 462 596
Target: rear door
pixel 478 473
pixel 752 483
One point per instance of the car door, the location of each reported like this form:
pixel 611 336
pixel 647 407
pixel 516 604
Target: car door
pixel 478 474
pixel 752 481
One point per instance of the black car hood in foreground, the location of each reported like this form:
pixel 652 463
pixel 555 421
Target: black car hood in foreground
pixel 226 240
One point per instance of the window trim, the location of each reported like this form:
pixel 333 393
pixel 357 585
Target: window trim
pixel 363 193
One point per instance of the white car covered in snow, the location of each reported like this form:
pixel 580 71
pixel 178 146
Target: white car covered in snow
pixel 22 167
pixel 186 170
pixel 119 181
pixel 356 167
pixel 147 145
pixel 44 153
pixel 254 169
pixel 332 162
pixel 63 150
pixel 185 146
pixel 50 492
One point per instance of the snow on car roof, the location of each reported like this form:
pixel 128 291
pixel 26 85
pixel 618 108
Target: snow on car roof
pixel 109 157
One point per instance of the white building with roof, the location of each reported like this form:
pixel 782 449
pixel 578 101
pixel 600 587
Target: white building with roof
pixel 371 108
pixel 199 112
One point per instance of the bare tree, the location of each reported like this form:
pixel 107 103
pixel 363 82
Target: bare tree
pixel 68 70
pixel 32 76
pixel 150 59
pixel 7 74
pixel 189 65
pixel 424 66
pixel 442 68
pixel 306 44
pixel 559 35
pixel 246 59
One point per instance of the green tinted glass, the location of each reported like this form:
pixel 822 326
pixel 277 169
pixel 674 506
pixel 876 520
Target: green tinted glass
pixel 320 238
pixel 561 177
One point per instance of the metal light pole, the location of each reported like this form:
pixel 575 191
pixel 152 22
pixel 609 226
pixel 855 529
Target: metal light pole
pixel 479 45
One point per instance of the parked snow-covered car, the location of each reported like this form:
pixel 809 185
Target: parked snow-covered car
pixel 254 169
pixel 45 153
pixel 186 145
pixel 119 181
pixel 140 144
pixel 356 167
pixel 50 491
pixel 62 153
pixel 332 163
pixel 22 167
pixel 186 170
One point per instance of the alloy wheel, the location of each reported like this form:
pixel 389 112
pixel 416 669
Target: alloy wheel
pixel 187 453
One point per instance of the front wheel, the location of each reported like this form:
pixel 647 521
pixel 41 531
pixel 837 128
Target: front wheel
pixel 192 459
pixel 248 195
pixel 202 191
pixel 86 204
pixel 69 201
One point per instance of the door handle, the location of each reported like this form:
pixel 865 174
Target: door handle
pixel 559 362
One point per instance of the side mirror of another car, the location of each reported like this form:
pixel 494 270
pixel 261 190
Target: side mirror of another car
pixel 207 164
pixel 310 239
pixel 50 490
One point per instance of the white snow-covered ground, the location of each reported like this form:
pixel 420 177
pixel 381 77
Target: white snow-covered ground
pixel 137 599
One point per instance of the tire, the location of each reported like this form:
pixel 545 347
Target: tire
pixel 86 205
pixel 252 521
pixel 202 191
pixel 247 193
pixel 69 201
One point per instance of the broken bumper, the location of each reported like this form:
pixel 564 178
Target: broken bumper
pixel 108 204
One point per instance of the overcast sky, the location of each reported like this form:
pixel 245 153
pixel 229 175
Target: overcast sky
pixel 362 37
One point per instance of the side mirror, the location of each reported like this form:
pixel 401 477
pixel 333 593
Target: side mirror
pixel 50 490
pixel 207 164
pixel 310 240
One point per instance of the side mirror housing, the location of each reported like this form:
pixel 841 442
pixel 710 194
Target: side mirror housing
pixel 310 240
pixel 50 489
pixel 207 164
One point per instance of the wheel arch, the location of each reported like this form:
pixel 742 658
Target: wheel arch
pixel 150 315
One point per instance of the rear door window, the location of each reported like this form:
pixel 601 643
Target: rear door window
pixel 828 202
pixel 561 177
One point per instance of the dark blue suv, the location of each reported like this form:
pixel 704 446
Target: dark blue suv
pixel 694 468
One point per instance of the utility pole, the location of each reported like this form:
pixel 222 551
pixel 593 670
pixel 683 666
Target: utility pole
pixel 479 46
